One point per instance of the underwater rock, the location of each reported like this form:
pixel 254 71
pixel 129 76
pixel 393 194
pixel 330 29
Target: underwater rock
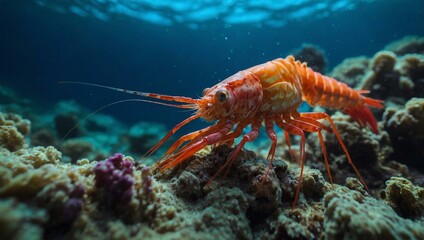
pixel 352 215
pixel 313 55
pixel 405 198
pixel 13 130
pixel 408 44
pixel 406 129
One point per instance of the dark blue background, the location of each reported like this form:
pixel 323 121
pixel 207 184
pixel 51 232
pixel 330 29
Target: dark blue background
pixel 39 47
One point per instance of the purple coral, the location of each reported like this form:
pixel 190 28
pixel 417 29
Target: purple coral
pixel 73 206
pixel 115 176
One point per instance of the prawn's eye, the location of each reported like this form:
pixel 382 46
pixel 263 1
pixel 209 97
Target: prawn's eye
pixel 221 95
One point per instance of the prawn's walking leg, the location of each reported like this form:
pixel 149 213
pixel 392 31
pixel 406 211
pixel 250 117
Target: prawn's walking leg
pixel 248 137
pixel 192 148
pixel 269 127
pixel 318 116
pixel 170 133
pixel 291 129
pixel 229 139
pixel 314 126
pixel 291 153
pixel 193 135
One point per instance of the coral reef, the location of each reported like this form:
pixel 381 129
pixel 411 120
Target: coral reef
pixel 69 188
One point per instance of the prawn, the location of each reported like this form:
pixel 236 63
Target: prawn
pixel 267 94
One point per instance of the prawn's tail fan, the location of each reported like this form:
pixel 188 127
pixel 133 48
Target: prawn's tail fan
pixel 363 115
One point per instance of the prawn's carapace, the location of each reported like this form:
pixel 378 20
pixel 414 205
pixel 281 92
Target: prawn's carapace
pixel 268 94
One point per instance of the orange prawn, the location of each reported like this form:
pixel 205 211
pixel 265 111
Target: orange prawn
pixel 268 94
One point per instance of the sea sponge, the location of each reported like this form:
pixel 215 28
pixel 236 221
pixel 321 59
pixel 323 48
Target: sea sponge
pixel 405 198
pixel 351 215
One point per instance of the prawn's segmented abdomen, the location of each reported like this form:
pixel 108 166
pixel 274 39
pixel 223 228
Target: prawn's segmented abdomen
pixel 325 91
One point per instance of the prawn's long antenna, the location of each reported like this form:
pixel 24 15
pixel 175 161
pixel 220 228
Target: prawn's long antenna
pixel 192 106
pixel 138 93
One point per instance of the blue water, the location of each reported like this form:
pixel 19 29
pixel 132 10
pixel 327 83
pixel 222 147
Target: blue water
pixel 178 47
